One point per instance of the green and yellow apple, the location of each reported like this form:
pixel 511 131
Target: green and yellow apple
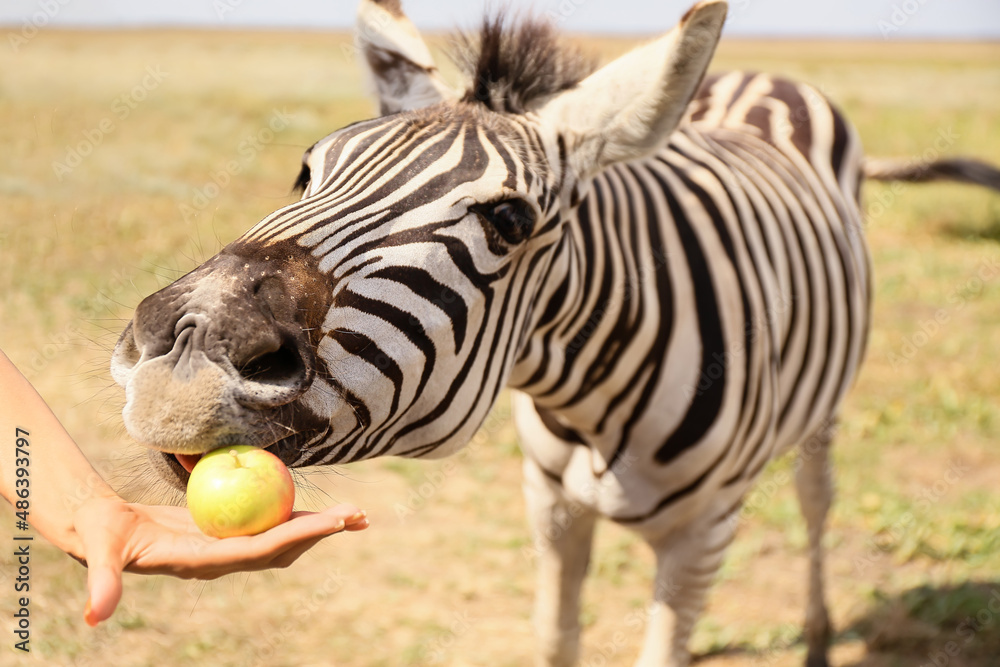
pixel 239 490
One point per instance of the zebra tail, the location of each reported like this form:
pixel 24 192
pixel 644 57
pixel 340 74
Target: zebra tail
pixel 961 170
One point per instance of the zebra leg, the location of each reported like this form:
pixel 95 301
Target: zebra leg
pixel 686 563
pixel 815 490
pixel 563 532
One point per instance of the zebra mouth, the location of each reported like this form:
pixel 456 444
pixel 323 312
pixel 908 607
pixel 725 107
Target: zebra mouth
pixel 176 469
pixel 188 461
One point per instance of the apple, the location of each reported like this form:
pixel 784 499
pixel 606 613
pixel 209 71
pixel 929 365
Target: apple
pixel 239 490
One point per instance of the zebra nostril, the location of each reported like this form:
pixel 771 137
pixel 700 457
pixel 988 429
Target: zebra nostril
pixel 275 376
pixel 283 366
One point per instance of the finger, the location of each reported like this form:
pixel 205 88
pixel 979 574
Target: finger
pixel 357 521
pixel 105 585
pixel 258 551
pixel 357 518
pixel 353 518
pixel 104 572
pixel 359 525
pixel 349 513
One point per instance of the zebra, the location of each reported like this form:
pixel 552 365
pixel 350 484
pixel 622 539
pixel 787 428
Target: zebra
pixel 667 269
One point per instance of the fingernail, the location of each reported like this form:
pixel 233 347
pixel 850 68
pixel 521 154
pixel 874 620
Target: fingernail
pixel 360 514
pixel 88 616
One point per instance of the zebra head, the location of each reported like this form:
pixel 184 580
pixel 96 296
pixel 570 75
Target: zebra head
pixel 383 312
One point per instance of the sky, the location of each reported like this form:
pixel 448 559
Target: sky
pixel 873 19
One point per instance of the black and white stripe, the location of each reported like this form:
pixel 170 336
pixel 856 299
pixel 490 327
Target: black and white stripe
pixel 671 276
pixel 704 306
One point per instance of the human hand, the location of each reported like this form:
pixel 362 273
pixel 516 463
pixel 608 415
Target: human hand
pixel 158 539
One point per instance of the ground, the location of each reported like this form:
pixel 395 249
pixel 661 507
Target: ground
pixel 132 157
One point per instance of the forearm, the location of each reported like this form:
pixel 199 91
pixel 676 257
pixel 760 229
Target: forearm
pixel 59 475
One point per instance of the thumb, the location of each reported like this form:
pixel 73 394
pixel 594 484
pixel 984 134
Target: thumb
pixel 104 582
pixel 102 551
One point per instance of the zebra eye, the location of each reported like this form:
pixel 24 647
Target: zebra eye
pixel 514 219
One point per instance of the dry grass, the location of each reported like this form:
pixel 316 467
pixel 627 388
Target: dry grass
pixel 448 584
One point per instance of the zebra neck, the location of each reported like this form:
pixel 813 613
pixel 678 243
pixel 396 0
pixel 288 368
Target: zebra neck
pixel 596 304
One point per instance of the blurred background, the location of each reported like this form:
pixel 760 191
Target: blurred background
pixel 889 19
pixel 139 138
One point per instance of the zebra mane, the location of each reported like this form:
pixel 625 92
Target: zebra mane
pixel 513 64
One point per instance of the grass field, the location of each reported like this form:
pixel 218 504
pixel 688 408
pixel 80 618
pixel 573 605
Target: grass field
pixel 131 157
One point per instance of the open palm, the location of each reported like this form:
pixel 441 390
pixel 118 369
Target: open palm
pixel 157 539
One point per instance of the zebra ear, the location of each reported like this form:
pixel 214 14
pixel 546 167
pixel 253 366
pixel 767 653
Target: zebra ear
pixel 398 59
pixel 629 107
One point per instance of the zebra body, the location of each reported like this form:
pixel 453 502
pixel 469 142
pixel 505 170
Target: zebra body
pixel 707 308
pixel 670 272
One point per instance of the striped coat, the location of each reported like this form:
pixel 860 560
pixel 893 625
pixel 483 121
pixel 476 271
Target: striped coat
pixel 709 305
pixel 668 269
